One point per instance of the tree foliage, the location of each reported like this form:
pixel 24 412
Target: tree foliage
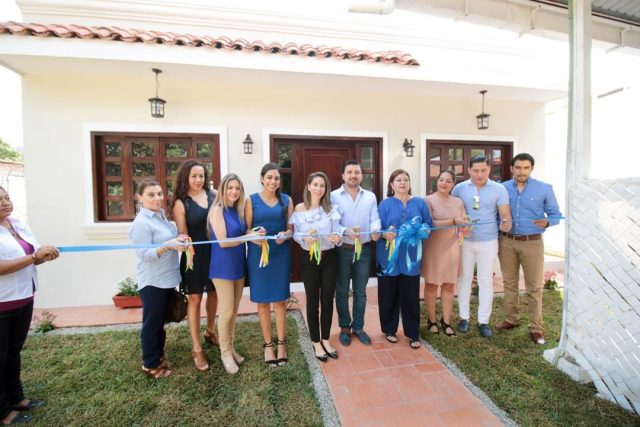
pixel 7 152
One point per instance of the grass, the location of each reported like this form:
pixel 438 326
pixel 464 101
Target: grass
pixel 510 369
pixel 95 380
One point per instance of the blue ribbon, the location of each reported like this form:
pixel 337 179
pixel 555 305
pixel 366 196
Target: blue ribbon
pixel 410 233
pixel 423 228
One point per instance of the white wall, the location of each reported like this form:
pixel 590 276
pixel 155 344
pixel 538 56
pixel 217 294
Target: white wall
pixel 57 109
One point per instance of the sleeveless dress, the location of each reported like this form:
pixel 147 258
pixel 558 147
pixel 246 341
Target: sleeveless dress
pixel 441 251
pixel 196 281
pixel 229 263
pixel 270 283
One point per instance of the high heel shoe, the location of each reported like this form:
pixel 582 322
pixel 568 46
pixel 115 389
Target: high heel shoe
pixel 332 354
pixel 229 364
pixel 446 326
pixel 200 360
pixel 282 360
pixel 430 325
pixel 211 338
pixel 272 363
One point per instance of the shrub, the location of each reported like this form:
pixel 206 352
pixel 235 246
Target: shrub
pixel 127 287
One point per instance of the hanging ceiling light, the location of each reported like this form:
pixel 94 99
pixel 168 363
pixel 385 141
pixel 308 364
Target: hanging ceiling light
pixel 157 104
pixel 483 118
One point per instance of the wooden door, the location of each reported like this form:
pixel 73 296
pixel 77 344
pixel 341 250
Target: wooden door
pixel 298 156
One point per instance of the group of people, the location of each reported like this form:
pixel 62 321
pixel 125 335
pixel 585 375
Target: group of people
pixel 443 237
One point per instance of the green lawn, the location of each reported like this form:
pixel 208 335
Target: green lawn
pixel 95 379
pixel 510 369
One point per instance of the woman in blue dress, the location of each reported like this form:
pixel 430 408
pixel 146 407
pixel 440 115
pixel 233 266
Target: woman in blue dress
pixel 270 210
pixel 399 283
pixel 228 259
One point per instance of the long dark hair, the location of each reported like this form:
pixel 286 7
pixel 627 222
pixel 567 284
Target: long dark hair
pixel 325 202
pixel 269 167
pixel 393 176
pixel 181 187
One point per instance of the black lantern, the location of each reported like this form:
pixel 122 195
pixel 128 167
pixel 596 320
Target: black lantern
pixel 248 145
pixel 408 147
pixel 157 104
pixel 483 118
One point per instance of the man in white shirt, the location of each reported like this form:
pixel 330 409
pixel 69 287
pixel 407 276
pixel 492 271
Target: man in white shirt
pixel 359 215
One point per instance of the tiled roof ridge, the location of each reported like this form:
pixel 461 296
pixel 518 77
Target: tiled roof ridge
pixel 129 35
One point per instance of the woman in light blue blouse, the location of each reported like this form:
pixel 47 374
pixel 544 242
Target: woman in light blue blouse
pixel 316 215
pixel 399 282
pixel 158 273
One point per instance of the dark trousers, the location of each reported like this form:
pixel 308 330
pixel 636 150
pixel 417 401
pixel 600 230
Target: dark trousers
pixel 14 326
pixel 152 335
pixel 319 286
pixel 399 294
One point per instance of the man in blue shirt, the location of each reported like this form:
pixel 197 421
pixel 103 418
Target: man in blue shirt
pixel 483 200
pixel 531 202
pixel 358 210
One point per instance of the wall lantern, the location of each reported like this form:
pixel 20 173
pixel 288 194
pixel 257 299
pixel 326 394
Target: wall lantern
pixel 248 145
pixel 408 147
pixel 157 104
pixel 483 118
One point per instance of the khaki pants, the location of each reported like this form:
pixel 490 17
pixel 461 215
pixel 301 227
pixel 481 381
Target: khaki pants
pixel 530 255
pixel 229 296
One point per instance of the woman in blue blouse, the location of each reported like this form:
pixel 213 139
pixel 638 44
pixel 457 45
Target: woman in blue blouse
pixel 316 215
pixel 158 273
pixel 227 270
pixel 399 283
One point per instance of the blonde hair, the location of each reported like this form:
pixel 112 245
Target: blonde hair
pixel 325 202
pixel 222 193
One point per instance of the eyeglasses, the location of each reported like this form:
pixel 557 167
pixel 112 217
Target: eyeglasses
pixel 476 202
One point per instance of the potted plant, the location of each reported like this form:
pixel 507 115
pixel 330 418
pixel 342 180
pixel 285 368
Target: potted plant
pixel 127 296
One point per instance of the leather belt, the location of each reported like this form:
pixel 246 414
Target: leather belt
pixel 522 237
pixel 349 246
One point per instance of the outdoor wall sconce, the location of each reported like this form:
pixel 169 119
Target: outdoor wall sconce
pixel 483 118
pixel 157 104
pixel 408 147
pixel 248 145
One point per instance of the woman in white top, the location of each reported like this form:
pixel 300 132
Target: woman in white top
pixel 316 216
pixel 19 254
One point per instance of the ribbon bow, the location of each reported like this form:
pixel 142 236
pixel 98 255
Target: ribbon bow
pixel 314 248
pixel 189 253
pixel 357 246
pixel 411 232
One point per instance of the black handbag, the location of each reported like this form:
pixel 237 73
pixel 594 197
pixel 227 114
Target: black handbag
pixel 176 306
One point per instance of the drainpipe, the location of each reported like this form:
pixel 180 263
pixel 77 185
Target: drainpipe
pixel 380 7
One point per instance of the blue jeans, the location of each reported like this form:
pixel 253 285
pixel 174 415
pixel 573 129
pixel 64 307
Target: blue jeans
pixel 359 272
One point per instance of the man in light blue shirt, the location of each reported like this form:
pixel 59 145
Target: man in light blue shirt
pixel 358 210
pixel 532 202
pixel 483 200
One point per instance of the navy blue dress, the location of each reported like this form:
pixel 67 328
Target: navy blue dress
pixel 270 283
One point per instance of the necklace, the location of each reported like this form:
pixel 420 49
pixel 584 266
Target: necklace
pixel 12 231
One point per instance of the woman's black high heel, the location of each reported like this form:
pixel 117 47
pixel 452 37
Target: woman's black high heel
pixel 273 362
pixel 281 360
pixel 430 325
pixel 446 326
pixel 333 354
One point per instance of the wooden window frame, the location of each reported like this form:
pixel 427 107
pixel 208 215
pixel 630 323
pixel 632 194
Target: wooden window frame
pixel 126 160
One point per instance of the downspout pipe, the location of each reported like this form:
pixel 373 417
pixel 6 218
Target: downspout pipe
pixel 379 7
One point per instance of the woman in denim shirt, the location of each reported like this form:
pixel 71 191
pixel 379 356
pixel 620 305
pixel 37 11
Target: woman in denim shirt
pixel 158 273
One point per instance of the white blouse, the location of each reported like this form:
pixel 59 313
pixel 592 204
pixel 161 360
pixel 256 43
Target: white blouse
pixel 322 222
pixel 18 285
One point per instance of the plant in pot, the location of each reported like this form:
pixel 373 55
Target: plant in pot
pixel 127 296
